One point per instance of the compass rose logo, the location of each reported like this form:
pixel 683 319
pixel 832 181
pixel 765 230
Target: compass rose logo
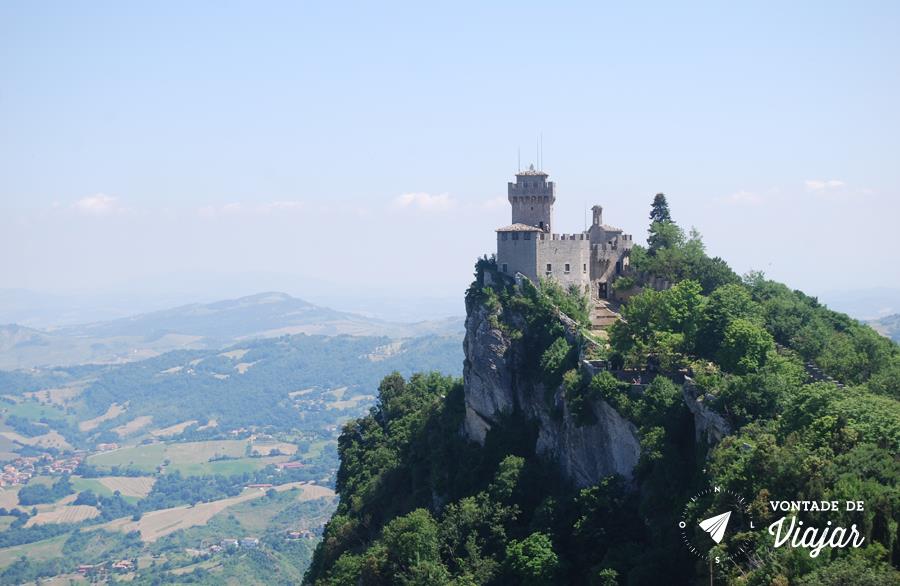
pixel 714 524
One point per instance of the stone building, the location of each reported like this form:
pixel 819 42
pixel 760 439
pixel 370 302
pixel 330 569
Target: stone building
pixel 590 260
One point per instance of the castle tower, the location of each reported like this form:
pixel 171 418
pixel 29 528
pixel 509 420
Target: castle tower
pixel 532 198
pixel 598 215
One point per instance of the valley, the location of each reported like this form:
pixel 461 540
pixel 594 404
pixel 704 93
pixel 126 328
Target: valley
pixel 207 464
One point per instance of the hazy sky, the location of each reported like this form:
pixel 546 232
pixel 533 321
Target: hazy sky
pixel 221 148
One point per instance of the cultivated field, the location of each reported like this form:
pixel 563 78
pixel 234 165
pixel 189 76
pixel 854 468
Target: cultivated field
pixel 136 486
pixel 37 552
pixel 9 497
pixel 189 458
pixel 172 429
pixel 59 396
pixel 157 524
pixel 265 448
pixel 52 439
pixel 67 514
pixel 112 412
pixel 134 425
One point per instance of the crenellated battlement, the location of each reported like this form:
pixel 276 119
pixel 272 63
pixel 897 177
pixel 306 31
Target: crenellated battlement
pixel 581 236
pixel 525 188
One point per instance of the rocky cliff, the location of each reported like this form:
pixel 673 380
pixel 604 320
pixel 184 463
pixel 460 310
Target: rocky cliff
pixel 494 387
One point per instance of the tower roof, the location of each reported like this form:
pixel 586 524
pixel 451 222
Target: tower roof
pixel 519 228
pixel 530 171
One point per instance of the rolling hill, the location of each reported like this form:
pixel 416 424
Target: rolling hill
pixel 195 326
pixel 887 326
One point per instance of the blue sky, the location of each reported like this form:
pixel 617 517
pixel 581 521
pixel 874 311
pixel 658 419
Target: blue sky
pixel 342 151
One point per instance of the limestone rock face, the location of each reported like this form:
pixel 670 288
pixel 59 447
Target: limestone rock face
pixel 707 423
pixel 488 378
pixel 584 453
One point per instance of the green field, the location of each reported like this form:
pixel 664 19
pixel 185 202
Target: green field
pixel 38 551
pixel 145 458
pixel 34 411
pixel 190 458
pixel 315 449
pixel 92 484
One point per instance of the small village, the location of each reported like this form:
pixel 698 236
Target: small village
pixel 23 468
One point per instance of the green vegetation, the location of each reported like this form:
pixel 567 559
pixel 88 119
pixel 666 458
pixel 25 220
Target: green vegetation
pixel 35 494
pixel 26 427
pixel 420 505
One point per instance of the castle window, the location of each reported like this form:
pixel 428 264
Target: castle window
pixel 515 235
pixel 503 266
pixel 549 268
pixel 527 235
pixel 583 268
pixel 567 268
pixel 503 235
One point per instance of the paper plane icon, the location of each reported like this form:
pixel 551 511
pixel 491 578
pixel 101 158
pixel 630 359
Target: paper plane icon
pixel 715 526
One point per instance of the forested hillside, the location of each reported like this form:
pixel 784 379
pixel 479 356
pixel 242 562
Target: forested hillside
pixel 807 401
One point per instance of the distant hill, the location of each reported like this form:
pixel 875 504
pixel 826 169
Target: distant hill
pixel 196 326
pixel 246 384
pixel 888 326
pixel 863 304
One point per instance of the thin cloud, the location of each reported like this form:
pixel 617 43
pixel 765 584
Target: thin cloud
pixel 495 203
pixel 742 198
pixel 98 205
pixel 424 202
pixel 235 208
pixel 823 184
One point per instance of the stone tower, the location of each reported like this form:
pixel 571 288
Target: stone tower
pixel 532 198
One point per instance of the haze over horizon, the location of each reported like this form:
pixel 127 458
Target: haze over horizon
pixel 206 151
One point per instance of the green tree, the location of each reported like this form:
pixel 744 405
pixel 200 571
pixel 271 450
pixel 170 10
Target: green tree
pixel 745 346
pixel 411 540
pixel 664 235
pixel 659 209
pixel 725 304
pixel 532 560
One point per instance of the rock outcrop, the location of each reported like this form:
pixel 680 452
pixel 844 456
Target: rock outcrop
pixel 707 423
pixel 494 387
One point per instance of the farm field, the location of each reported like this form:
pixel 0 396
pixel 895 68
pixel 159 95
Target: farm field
pixel 9 497
pixel 58 396
pixel 38 551
pixel 64 514
pixel 131 488
pixel 134 486
pixel 33 410
pixel 190 458
pixel 112 412
pixel 267 447
pixel 133 426
pixel 80 484
pixel 157 524
pixel 172 429
pixel 49 440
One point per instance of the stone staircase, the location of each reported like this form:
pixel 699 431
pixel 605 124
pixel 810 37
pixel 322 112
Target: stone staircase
pixel 604 313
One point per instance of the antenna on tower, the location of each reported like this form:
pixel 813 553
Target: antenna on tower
pixel 541 163
pixel 519 159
